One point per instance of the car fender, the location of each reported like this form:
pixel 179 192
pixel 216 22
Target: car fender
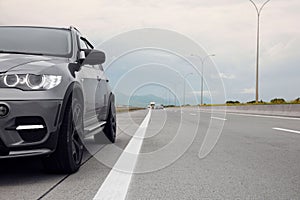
pixel 73 87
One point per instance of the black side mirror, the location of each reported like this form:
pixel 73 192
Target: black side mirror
pixel 92 57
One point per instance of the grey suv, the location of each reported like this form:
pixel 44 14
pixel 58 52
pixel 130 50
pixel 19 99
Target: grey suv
pixel 53 94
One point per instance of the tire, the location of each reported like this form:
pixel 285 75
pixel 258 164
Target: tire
pixel 109 128
pixel 69 151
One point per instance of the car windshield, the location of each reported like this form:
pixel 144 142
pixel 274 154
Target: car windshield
pixel 34 40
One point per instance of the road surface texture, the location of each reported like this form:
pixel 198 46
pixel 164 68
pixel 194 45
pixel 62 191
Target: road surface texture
pixel 256 157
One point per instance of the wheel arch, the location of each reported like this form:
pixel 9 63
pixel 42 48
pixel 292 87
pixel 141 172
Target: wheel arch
pixel 73 89
pixel 111 100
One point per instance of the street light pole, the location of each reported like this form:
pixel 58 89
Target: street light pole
pixel 202 73
pixel 184 87
pixel 257 42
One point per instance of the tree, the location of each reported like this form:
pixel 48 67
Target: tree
pixel 254 102
pixel 278 101
pixel 297 100
pixel 232 102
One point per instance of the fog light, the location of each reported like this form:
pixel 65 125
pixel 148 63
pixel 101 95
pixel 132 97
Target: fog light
pixel 4 110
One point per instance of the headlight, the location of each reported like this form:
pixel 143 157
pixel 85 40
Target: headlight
pixel 35 81
pixel 11 80
pixel 30 81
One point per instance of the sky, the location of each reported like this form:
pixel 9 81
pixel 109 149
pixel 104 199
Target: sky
pixel 226 28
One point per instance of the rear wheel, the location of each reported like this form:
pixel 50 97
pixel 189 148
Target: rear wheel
pixel 109 128
pixel 68 154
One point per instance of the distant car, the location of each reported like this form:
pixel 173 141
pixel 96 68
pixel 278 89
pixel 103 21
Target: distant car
pixel 53 92
pixel 159 107
pixel 152 105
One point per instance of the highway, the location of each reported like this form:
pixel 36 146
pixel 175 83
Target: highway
pixel 157 156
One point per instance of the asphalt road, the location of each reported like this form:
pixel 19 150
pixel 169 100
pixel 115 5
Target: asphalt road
pixel 256 157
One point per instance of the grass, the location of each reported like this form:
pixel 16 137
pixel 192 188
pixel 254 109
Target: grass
pixel 252 104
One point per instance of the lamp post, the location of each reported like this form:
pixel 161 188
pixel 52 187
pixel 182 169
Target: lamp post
pixel 202 73
pixel 184 86
pixel 258 10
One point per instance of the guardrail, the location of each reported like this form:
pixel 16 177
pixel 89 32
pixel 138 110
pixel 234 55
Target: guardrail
pixel 290 110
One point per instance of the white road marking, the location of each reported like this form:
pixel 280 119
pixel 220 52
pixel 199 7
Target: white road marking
pixel 286 130
pixel 253 115
pixel 265 116
pixel 219 118
pixel 193 114
pixel 117 183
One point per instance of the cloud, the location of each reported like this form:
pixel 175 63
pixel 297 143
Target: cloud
pixel 227 76
pixel 205 93
pixel 248 91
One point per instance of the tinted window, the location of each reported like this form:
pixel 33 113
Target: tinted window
pixel 47 41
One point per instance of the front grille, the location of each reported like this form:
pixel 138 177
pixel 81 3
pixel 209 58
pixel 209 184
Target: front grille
pixel 31 135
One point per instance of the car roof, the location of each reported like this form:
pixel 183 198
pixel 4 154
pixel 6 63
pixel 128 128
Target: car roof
pixel 46 27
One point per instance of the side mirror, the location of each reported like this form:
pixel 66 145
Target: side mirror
pixel 92 56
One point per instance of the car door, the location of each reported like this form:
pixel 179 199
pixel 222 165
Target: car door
pixel 89 78
pixel 102 95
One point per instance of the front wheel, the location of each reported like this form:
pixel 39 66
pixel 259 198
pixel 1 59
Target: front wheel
pixel 69 151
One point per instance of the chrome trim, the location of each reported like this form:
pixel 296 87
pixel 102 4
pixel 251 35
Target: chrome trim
pixel 92 128
pixel 92 133
pixel 29 127
pixel 24 153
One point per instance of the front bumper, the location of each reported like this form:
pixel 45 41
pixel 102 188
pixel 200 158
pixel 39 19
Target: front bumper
pixel 30 128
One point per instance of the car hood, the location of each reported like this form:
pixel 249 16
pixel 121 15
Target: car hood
pixel 10 62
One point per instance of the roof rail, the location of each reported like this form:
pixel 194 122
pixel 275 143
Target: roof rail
pixel 73 27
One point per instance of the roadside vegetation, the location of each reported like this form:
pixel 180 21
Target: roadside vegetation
pixel 228 103
pixel 272 101
pixel 261 102
pixel 128 109
pixel 170 106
